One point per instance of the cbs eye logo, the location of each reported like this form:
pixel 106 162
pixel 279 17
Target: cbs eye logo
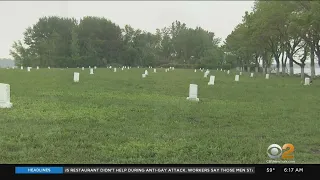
pixel 275 151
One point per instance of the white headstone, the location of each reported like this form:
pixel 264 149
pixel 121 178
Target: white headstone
pixel 237 78
pixel 143 75
pixel 37 67
pixel 5 96
pixel 193 92
pixel 82 68
pixel 91 71
pixel 154 70
pixel 49 67
pixel 172 68
pixel 251 75
pixel 89 67
pixel 21 67
pixel 217 69
pixel 110 67
pixel 128 67
pixel 206 74
pixel 211 81
pixel 195 70
pixel 28 69
pixel 146 72
pixel 240 73
pixel 95 67
pixel 307 81
pixel 122 68
pixel 228 72
pixel 76 77
pixel 138 67
pixel 220 69
pixel 201 70
pixel 114 69
pixel 267 76
pixel 224 70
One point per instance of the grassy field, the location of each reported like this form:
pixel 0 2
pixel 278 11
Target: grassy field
pixel 121 118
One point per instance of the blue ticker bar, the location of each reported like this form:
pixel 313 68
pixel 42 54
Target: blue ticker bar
pixel 39 170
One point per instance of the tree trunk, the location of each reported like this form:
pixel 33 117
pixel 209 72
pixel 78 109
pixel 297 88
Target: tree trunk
pixel 291 67
pixel 283 69
pixel 257 65
pixel 263 65
pixel 276 57
pixel 302 71
pixel 278 68
pixel 313 70
pixel 248 68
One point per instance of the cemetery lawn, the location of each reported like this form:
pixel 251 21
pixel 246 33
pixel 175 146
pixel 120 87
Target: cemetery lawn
pixel 121 118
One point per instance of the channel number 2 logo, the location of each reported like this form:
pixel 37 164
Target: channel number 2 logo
pixel 275 151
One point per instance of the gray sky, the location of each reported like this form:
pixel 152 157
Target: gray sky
pixel 219 17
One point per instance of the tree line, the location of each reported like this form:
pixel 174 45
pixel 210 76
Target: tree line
pixel 280 31
pixel 93 41
pixel 275 31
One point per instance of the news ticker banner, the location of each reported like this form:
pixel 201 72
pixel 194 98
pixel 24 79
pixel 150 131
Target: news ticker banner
pixel 135 170
pixel 131 169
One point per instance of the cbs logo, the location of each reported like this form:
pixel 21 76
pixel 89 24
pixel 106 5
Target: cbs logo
pixel 275 151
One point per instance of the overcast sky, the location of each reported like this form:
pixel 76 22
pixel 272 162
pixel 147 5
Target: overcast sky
pixel 219 17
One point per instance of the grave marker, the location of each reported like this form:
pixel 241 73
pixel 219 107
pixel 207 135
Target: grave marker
pixel 146 72
pixel 5 96
pixel 237 78
pixel 82 68
pixel 267 76
pixel 251 75
pixel 307 81
pixel 228 72
pixel 193 92
pixel 143 75
pixel 76 76
pixel 211 81
pixel 91 71
pixel 114 69
pixel 154 70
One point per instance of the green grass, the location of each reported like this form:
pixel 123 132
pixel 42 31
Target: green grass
pixel 121 118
